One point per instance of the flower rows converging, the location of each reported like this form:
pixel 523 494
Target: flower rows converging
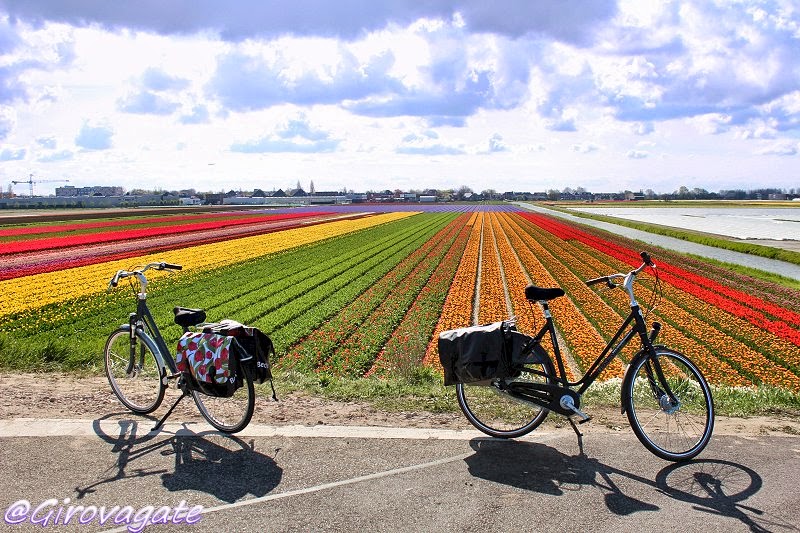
pixel 85 239
pixel 354 293
pixel 30 292
pixel 51 260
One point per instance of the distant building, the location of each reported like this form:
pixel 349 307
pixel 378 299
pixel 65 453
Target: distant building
pixel 70 191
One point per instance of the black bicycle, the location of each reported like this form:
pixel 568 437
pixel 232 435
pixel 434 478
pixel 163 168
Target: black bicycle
pixel 665 396
pixel 139 365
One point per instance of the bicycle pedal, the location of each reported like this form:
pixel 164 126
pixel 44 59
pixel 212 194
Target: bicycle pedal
pixel 567 403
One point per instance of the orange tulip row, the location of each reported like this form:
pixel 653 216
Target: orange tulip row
pixel 604 319
pixel 587 265
pixel 517 279
pixel 492 305
pixel 721 357
pixel 581 337
pixel 457 309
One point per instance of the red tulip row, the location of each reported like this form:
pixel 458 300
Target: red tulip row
pixel 49 243
pixel 104 224
pixel 779 295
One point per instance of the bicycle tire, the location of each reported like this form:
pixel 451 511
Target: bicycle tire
pixel 232 414
pixel 138 380
pixel 497 413
pixel 675 432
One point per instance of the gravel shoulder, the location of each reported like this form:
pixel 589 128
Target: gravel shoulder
pixel 60 395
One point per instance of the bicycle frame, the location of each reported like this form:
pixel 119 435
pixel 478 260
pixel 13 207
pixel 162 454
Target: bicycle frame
pixel 142 320
pixel 561 396
pixel 634 321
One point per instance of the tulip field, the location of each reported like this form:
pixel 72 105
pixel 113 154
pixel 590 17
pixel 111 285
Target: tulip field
pixel 364 290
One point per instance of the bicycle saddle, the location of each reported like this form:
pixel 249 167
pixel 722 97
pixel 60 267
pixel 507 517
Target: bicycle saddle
pixel 186 317
pixel 536 294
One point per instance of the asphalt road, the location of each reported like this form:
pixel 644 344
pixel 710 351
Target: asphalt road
pixel 382 479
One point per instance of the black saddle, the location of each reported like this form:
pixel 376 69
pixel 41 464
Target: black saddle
pixel 537 294
pixel 186 317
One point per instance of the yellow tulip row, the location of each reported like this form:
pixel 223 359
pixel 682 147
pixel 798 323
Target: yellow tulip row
pixel 31 292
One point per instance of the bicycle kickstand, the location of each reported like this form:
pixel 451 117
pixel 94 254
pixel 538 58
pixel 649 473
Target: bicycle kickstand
pixel 578 433
pixel 174 405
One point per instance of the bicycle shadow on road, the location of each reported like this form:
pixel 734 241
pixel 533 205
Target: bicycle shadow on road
pixel 539 468
pixel 712 486
pixel 224 466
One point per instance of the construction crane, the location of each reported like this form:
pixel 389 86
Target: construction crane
pixel 30 182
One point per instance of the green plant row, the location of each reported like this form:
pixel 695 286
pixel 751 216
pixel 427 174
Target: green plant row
pixel 71 335
pixel 357 353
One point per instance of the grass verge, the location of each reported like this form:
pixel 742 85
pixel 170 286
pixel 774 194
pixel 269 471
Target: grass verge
pixel 422 390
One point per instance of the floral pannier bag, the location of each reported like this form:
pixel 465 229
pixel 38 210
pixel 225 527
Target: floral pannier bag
pixel 210 362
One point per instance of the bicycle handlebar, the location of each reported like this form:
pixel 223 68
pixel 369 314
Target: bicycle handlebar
pixel 122 274
pixel 608 279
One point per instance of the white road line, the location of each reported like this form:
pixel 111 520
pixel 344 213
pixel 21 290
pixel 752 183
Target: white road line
pixel 326 486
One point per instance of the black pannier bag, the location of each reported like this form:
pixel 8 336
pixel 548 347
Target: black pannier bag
pixel 476 353
pixel 482 353
pixel 521 352
pixel 254 347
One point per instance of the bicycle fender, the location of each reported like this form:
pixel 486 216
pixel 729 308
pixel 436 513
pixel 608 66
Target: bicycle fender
pixel 641 354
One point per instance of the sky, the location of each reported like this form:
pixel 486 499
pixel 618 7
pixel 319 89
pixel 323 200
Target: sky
pixel 510 95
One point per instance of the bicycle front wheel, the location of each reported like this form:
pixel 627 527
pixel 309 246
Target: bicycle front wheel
pixel 669 405
pixel 134 372
pixel 232 414
pixel 495 412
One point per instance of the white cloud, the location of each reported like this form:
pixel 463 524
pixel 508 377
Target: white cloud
pixel 781 149
pixel 585 148
pixel 510 88
pixel 94 137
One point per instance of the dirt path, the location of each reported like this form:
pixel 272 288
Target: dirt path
pixel 56 395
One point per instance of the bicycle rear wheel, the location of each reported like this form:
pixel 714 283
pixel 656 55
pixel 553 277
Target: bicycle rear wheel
pixel 134 372
pixel 677 428
pixel 229 415
pixel 497 413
